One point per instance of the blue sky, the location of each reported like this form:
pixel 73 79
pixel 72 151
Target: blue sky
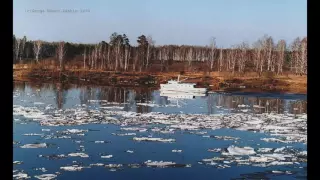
pixel 167 21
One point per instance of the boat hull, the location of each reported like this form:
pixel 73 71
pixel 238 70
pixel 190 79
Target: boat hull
pixel 185 90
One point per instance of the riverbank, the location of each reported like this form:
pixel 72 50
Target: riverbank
pixel 215 81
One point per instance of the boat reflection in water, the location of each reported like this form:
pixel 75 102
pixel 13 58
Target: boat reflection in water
pixel 179 96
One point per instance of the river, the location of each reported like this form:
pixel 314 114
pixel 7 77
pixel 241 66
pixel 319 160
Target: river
pixel 66 131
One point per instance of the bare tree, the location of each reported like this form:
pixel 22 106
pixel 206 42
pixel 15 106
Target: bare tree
pixel 213 50
pixel 84 58
pixel 221 59
pixel 303 56
pixel 269 48
pixel 234 54
pixel 190 56
pixel 61 51
pixel 149 45
pixel 126 57
pixel 37 45
pixel 17 47
pixel 281 47
pixel 295 47
pixel 23 43
pixel 257 54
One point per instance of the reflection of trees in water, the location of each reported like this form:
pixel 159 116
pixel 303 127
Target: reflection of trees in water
pixel 298 107
pixel 143 96
pixel 259 104
pixel 84 94
pixel 21 86
pixel 113 94
pixel 61 91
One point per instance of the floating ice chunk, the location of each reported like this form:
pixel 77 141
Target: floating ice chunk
pixel 279 149
pixel 59 156
pixel 113 165
pixel 274 140
pixel 265 150
pixel 38 103
pixel 111 107
pixel 213 159
pixel 40 169
pixel 303 153
pixel 21 175
pixel 176 150
pixel 129 151
pixel 72 168
pixel 153 139
pixel 215 150
pixel 261 159
pixel 83 155
pixel 76 131
pixel 277 172
pixel 45 130
pixel 38 145
pixel 159 163
pixel 125 134
pixel 185 127
pixel 134 165
pixel 276 156
pixel 46 176
pixel 107 156
pixel 134 129
pixel 167 131
pixel 225 137
pixel 98 142
pixel 33 134
pixel 97 164
pixel 243 106
pixel 233 150
pixel 277 163
pixel 17 162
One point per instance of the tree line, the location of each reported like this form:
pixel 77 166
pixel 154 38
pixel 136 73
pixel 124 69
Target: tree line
pixel 119 55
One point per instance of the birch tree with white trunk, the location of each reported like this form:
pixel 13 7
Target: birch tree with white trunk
pixel 37 45
pixel 61 51
pixel 213 50
pixel 17 47
pixel 281 48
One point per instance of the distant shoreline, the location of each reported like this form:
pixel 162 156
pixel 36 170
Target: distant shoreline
pixel 215 81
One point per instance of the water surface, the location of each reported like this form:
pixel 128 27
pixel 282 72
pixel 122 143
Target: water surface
pixel 193 143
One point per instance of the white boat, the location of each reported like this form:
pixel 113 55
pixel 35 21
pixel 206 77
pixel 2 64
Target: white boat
pixel 178 86
pixel 180 95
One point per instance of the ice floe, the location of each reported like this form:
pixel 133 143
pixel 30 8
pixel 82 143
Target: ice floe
pixel 41 169
pixel 107 156
pixel 233 150
pixel 293 130
pixel 38 145
pixel 153 139
pixel 83 155
pixel 72 168
pixel 177 150
pixel 17 162
pixel 46 176
pixel 21 175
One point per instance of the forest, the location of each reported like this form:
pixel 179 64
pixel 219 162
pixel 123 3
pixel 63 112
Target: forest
pixel 264 55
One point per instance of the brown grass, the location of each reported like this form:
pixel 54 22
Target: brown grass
pixel 215 80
